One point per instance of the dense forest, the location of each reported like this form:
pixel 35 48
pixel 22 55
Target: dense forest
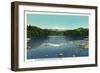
pixel 33 31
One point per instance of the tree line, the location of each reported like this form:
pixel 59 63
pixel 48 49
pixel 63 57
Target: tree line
pixel 33 31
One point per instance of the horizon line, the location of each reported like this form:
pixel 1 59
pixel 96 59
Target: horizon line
pixel 59 28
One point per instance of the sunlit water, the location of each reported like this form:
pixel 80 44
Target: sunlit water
pixel 56 47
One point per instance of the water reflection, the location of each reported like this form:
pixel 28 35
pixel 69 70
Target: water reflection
pixel 57 46
pixel 35 42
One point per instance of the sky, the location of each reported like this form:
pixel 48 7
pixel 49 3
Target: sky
pixel 61 22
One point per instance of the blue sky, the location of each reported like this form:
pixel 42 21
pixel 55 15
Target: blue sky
pixel 51 21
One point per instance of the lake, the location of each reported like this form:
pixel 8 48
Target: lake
pixel 57 47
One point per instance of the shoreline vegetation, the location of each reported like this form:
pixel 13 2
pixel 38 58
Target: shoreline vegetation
pixel 33 31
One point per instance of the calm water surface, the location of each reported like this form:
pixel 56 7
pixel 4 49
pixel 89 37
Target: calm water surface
pixel 56 46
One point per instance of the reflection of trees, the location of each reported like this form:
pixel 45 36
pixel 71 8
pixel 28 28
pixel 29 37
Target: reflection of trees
pixel 38 35
pixel 76 34
pixel 35 42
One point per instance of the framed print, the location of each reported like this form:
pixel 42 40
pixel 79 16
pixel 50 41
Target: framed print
pixel 52 36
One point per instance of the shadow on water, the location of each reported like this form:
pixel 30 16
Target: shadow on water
pixel 35 42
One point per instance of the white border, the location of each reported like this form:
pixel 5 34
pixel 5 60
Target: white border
pixel 56 62
pixel 49 13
